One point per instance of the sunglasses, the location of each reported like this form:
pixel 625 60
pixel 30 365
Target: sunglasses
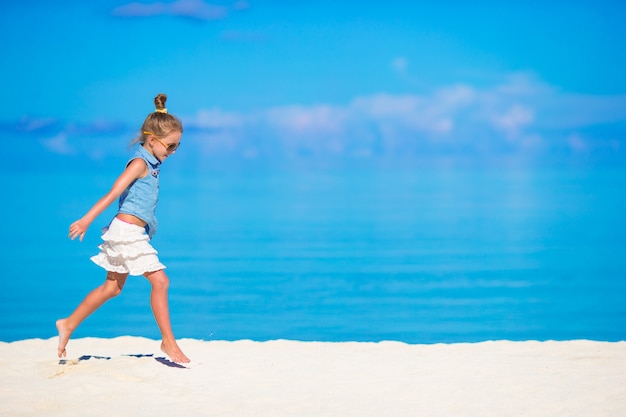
pixel 170 147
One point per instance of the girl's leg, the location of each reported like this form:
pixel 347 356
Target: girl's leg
pixel 112 286
pixel 158 300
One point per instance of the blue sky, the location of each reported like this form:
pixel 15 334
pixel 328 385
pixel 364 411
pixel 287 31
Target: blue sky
pixel 261 80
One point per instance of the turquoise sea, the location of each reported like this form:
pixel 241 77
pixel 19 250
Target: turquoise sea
pixel 415 255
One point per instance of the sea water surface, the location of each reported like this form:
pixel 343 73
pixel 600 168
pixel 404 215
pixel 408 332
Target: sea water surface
pixel 414 255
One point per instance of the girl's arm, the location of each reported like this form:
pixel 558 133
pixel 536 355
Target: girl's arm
pixel 136 169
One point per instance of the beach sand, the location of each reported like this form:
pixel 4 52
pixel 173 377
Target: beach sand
pixel 129 376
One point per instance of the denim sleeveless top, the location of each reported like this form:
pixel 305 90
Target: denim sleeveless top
pixel 141 197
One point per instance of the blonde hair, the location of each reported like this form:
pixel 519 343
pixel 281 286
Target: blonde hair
pixel 159 122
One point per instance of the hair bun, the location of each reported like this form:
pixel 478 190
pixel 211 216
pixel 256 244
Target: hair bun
pixel 159 103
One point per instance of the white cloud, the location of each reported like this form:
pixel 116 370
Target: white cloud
pixel 241 5
pixel 509 116
pixel 33 125
pixel 577 143
pixel 215 119
pixel 514 119
pixel 195 9
pixel 59 144
pixel 400 64
pixel 425 114
pixel 299 120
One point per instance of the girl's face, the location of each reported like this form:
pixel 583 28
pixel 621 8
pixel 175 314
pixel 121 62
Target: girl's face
pixel 162 147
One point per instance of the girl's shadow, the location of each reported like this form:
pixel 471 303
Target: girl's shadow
pixel 161 359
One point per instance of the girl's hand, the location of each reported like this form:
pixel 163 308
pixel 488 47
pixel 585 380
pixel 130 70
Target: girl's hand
pixel 78 229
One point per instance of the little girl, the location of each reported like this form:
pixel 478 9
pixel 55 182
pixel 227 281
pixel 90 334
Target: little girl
pixel 126 248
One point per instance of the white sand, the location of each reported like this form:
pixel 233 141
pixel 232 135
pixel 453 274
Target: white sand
pixel 285 378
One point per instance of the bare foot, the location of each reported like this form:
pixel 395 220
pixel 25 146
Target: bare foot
pixel 64 337
pixel 174 352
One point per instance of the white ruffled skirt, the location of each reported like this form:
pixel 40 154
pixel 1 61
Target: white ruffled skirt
pixel 127 249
